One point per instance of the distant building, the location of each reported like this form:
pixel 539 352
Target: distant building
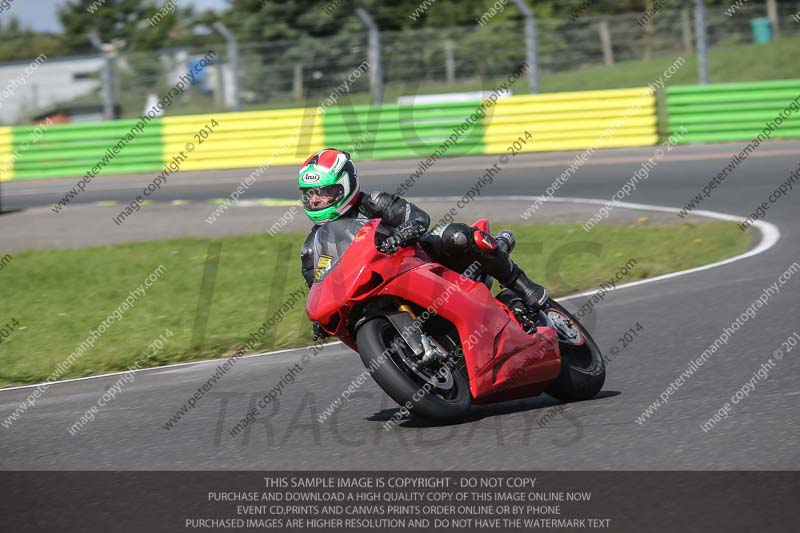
pixel 55 80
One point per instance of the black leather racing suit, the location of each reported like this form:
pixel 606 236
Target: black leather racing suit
pixel 453 245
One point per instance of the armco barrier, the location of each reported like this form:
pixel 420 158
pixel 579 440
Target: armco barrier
pixel 392 130
pixel 76 149
pixel 574 120
pixel 732 111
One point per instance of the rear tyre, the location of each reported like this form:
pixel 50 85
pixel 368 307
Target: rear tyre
pixel 437 393
pixel 583 370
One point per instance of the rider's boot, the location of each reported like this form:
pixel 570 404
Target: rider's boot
pixel 533 294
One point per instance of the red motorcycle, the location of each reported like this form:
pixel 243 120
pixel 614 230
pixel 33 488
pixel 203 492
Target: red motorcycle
pixel 435 340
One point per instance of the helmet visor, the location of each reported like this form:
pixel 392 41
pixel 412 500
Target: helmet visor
pixel 317 198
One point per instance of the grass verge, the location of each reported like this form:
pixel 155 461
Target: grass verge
pixel 57 296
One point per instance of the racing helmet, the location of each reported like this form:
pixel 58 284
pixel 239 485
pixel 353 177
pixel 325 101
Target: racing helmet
pixel 329 185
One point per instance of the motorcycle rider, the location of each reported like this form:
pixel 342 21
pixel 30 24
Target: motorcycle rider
pixel 330 189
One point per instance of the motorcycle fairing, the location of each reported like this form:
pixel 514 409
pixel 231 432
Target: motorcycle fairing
pixel 505 362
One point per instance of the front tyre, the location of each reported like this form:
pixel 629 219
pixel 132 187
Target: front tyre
pixel 434 392
pixel 583 370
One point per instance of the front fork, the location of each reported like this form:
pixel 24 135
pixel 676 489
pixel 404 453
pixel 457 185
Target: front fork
pixel 427 348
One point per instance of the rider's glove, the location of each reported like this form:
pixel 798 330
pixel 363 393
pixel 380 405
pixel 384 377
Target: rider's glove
pixel 319 333
pixel 405 234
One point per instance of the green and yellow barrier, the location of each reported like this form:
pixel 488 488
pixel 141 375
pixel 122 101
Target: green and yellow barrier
pixel 242 140
pixel 395 131
pixel 112 147
pixel 6 154
pixel 559 121
pixel 734 111
pixel 574 120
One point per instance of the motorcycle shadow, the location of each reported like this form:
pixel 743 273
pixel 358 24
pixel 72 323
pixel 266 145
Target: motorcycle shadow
pixel 480 411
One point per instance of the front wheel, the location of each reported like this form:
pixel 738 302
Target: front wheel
pixel 434 391
pixel 583 370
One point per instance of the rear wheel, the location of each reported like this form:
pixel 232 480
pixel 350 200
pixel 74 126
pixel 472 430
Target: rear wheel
pixel 583 370
pixel 437 389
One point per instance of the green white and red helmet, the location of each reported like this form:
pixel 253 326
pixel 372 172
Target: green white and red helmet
pixel 329 185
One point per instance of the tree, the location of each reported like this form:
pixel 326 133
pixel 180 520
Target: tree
pixel 129 21
pixel 18 43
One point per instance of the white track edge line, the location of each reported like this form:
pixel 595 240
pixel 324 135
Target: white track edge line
pixel 173 365
pixel 770 234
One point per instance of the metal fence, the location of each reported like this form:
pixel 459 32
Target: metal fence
pixel 307 72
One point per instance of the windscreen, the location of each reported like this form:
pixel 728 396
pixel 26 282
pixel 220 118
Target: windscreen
pixel 331 241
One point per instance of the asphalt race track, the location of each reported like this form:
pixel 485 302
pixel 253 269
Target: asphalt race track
pixel 681 317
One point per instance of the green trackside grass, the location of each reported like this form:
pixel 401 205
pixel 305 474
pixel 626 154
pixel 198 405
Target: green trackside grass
pixel 58 296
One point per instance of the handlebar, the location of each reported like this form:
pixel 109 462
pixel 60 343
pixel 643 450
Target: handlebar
pixel 391 244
